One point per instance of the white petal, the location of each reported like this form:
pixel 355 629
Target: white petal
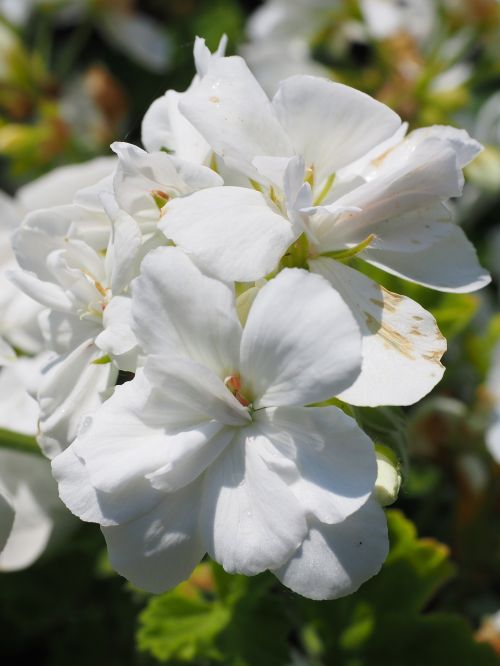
pixel 178 310
pixel 250 520
pixel 300 344
pixel 75 489
pixel 27 482
pixel 466 148
pixel 63 332
pixel 121 261
pixel 402 345
pixel 60 185
pixel 42 232
pixel 164 126
pixel 125 439
pixel 18 409
pixel 46 293
pixel 159 550
pixel 232 112
pixel 430 176
pixel 231 232
pixel 449 265
pixel 413 231
pixel 70 389
pixel 202 55
pixel 333 477
pixel 94 505
pixel 330 124
pixel 335 560
pixel 139 175
pixel 117 339
pixel 194 385
pixel 102 475
pixel 190 454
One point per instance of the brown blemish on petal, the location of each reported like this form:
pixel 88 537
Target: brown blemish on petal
pixel 214 99
pixel 391 338
pixel 435 357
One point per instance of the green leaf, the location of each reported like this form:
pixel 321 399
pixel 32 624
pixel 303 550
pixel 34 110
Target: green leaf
pixel 387 426
pixel 454 312
pixel 434 640
pixel 413 572
pixel 217 617
pixel 176 627
pixel 480 347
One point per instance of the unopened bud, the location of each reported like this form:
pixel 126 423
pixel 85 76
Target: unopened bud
pixel 389 476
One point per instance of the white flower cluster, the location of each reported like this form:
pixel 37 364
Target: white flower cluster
pixel 216 267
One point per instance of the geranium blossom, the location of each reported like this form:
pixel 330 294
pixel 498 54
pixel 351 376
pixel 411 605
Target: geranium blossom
pixel 329 167
pixel 212 447
pixel 81 276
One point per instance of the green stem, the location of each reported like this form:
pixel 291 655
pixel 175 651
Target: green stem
pixel 16 441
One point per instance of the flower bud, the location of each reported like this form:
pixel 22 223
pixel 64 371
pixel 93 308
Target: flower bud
pixel 389 476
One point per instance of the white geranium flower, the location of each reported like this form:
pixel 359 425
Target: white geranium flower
pixel 19 313
pixel 280 35
pixel 330 165
pixel 132 32
pixel 31 514
pixel 85 288
pixel 386 18
pixel 211 447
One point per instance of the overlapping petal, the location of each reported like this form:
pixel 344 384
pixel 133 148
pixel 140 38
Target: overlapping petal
pixel 401 343
pixel 334 560
pixel 330 124
pixel 300 343
pixel 249 518
pixel 231 232
pixel 178 310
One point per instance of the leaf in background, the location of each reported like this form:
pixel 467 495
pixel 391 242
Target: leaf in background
pixel 413 572
pixel 383 625
pixel 177 627
pixel 388 426
pixel 480 347
pixel 454 312
pixel 217 618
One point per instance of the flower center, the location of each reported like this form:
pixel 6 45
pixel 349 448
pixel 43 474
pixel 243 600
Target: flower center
pixel 233 383
pixel 160 198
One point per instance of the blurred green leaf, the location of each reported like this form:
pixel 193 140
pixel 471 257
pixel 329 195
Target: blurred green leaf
pixel 383 624
pixel 454 312
pixel 413 572
pixel 480 347
pixel 434 640
pixel 176 627
pixel 217 617
pixel 388 426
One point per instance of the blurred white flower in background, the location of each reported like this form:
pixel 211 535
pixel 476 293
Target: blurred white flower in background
pixel 136 34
